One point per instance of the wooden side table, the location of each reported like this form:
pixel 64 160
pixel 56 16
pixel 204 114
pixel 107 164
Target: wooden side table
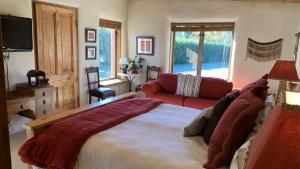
pixel 36 103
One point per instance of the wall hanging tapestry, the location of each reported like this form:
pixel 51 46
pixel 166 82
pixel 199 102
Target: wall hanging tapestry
pixel 264 52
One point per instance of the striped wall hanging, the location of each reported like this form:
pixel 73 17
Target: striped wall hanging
pixel 263 52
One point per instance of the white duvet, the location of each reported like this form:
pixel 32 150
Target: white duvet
pixel 150 141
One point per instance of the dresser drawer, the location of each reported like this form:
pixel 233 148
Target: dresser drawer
pixel 43 111
pixel 20 106
pixel 43 93
pixel 43 101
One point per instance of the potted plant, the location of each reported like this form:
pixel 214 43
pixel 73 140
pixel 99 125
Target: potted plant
pixel 135 64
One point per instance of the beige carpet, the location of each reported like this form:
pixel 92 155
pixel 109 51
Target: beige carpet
pixel 16 140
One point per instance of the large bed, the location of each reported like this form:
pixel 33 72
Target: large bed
pixel 150 141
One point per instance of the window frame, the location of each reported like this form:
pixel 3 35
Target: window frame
pixel 201 28
pixel 117 26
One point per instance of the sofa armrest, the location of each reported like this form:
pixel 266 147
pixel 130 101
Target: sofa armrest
pixel 151 88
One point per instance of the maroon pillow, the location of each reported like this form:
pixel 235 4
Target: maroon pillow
pixel 168 81
pixel 233 128
pixel 214 88
pixel 262 81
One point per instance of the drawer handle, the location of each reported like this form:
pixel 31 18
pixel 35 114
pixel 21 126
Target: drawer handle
pixel 44 94
pixel 44 112
pixel 22 107
pixel 44 101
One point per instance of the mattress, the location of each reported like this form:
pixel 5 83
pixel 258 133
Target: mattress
pixel 150 141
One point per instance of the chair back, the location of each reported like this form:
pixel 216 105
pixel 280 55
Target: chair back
pixel 152 73
pixel 93 81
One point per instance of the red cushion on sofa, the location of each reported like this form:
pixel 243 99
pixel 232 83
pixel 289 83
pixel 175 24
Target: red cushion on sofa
pixel 214 88
pixel 276 145
pixel 168 82
pixel 236 123
pixel 169 98
pixel 199 103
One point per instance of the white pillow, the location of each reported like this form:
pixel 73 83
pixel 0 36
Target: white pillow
pixel 239 159
pixel 188 85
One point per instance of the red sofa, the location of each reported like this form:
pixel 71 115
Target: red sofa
pixel 211 90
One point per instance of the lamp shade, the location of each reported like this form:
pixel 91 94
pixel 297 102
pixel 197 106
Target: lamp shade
pixel 284 70
pixel 123 61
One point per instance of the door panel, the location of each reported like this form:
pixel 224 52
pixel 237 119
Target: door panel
pixel 56 32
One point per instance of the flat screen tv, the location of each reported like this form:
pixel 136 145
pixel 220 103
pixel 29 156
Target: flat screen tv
pixel 16 33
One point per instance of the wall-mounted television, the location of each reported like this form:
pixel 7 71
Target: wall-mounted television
pixel 16 33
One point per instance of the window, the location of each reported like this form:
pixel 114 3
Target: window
pixel 109 48
pixel 201 49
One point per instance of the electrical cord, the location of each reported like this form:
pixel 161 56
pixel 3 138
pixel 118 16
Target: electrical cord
pixel 6 65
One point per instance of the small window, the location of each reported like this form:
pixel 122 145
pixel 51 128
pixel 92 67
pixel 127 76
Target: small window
pixel 201 49
pixel 109 48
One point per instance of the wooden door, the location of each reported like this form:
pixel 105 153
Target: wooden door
pixel 5 161
pixel 56 49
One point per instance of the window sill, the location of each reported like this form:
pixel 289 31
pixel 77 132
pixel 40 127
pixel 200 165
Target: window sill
pixel 113 82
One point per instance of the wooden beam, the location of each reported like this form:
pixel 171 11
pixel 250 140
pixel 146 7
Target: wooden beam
pixel 284 1
pixel 5 160
pixel 38 125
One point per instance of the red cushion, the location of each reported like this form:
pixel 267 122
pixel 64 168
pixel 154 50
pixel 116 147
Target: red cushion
pixel 199 103
pixel 262 81
pixel 214 88
pixel 168 82
pixel 276 145
pixel 169 98
pixel 234 126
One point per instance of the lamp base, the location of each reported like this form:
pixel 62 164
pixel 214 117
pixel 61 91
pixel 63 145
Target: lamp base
pixel 280 96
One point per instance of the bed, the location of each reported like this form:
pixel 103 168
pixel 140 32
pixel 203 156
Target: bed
pixel 153 140
pixel 150 141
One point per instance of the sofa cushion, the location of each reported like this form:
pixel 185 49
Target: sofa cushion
pixel 168 82
pixel 188 85
pixel 169 98
pixel 214 88
pixel 234 126
pixel 199 103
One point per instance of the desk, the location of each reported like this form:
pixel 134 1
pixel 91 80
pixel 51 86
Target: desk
pixel 130 77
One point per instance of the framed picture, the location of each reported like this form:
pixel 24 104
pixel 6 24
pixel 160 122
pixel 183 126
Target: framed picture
pixel 145 45
pixel 90 35
pixel 90 52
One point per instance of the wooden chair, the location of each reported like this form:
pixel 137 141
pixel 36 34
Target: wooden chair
pixel 95 89
pixel 150 69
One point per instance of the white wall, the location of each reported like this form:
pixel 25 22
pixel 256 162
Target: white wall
pixel 89 13
pixel 20 62
pixel 260 21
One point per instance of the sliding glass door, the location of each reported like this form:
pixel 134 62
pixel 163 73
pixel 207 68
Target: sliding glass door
pixel 202 49
pixel 216 54
pixel 186 49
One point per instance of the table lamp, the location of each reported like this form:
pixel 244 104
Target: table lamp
pixel 284 71
pixel 124 64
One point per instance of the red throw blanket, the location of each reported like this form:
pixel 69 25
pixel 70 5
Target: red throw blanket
pixel 58 146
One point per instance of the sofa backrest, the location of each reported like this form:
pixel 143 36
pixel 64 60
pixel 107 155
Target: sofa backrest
pixel 214 88
pixel 168 82
pixel 210 88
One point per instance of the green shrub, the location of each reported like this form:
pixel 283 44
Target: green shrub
pixel 213 52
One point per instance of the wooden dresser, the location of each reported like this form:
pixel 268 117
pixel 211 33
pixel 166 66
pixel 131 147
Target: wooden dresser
pixel 36 103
